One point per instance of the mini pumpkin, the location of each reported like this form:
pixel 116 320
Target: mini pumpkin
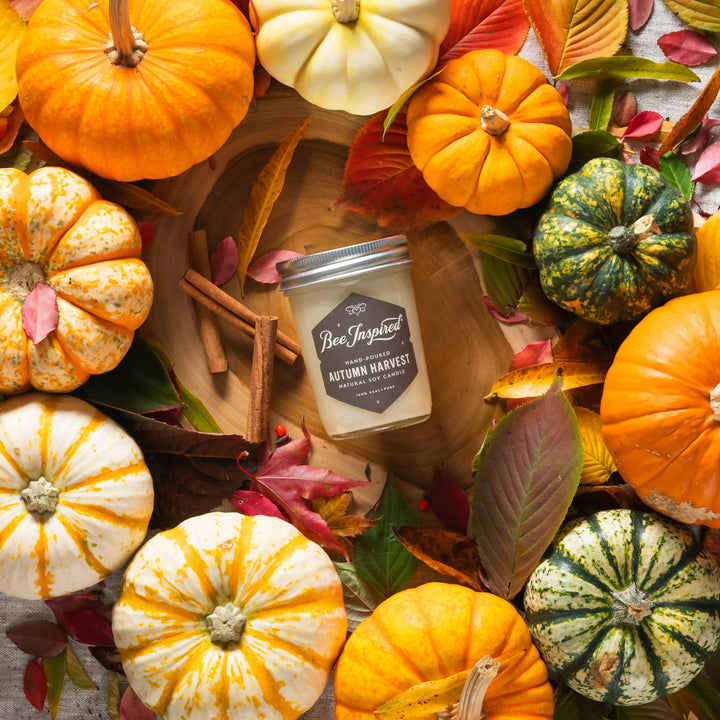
pixel 139 91
pixel 626 608
pixel 489 133
pixel 433 633
pixel 616 241
pixel 352 55
pixel 229 616
pixel 660 409
pixel 56 229
pixel 75 495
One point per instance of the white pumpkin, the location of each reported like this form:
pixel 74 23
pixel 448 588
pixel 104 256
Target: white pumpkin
pixel 352 55
pixel 229 616
pixel 75 495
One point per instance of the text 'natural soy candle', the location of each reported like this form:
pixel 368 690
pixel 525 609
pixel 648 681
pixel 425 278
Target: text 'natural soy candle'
pixel 355 315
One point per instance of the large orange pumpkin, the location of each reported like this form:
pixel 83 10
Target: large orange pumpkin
pixel 660 409
pixel 489 133
pixel 144 91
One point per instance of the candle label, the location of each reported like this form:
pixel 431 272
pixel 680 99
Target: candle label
pixel 366 354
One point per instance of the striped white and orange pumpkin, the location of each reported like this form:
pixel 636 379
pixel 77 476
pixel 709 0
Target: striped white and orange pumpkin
pixel 55 228
pixel 229 616
pixel 75 495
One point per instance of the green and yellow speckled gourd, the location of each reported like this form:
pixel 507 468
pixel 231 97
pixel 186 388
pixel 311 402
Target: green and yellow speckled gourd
pixel 616 241
pixel 626 608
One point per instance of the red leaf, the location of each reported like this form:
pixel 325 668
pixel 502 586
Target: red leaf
pixel 687 47
pixel 645 123
pixel 86 626
pixel 534 353
pixel 147 230
pixel 707 168
pixel 224 261
pixel 382 183
pixel 698 140
pixel 41 638
pixel 481 24
pixel 67 603
pixel 249 502
pixel 40 312
pixel 650 156
pixel 131 707
pixel 564 89
pixel 35 684
pixel 639 12
pixel 449 502
pixel 515 317
pixel 263 269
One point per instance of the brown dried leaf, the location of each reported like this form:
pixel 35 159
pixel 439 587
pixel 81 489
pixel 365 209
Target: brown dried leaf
pixel 535 380
pixel 445 551
pixel 592 498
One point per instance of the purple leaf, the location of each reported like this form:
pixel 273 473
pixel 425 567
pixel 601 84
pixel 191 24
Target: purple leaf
pixel 147 230
pixel 643 124
pixel 449 502
pixel 514 317
pixel 68 603
pixel 86 626
pixel 35 684
pixel 699 140
pixel 650 156
pixel 249 502
pixel 639 12
pixel 41 638
pixel 131 708
pixel 109 658
pixel 224 261
pixel 263 269
pixel 526 475
pixel 40 312
pixel 687 47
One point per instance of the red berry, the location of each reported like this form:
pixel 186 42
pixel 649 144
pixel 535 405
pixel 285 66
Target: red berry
pixel 280 431
pixel 424 505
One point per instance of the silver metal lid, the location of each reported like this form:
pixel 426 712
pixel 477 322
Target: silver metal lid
pixel 342 262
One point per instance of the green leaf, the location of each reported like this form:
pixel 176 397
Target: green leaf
pixel 570 705
pixel 380 558
pixel 507 249
pixel 113 699
pixel 360 599
pixel 526 475
pixel 504 283
pixel 628 66
pixel 707 694
pixel 602 104
pixel 54 669
pixel 590 144
pixel 677 173
pixel 76 672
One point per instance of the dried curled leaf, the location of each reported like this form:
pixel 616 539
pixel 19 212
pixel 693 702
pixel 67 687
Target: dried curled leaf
pixel 598 464
pixel 706 274
pixel 535 380
pixel 12 30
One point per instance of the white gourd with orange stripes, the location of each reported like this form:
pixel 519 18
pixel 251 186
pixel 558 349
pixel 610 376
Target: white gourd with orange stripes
pixel 75 495
pixel 229 616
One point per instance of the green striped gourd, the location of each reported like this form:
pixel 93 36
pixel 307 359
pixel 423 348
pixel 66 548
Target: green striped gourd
pixel 615 241
pixel 626 608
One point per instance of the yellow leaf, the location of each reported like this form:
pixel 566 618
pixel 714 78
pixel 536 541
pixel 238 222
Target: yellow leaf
pixel 598 464
pixel 535 380
pixel 706 275
pixel 12 29
pixel 263 195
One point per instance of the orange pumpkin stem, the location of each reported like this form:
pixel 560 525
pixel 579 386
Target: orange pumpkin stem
pixel 470 706
pixel 493 121
pixel 346 11
pixel 126 45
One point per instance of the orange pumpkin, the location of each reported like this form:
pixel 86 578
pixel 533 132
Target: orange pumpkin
pixel 660 409
pixel 144 91
pixel 489 133
pixel 417 647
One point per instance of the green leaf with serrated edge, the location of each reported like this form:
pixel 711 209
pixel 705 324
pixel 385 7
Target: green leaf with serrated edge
pixel 76 672
pixel 54 669
pixel 602 104
pixel 628 66
pixel 701 14
pixel 113 699
pixel 677 173
pixel 360 599
pixel 507 249
pixel 591 144
pixel 380 558
pixel 504 283
pixel 525 479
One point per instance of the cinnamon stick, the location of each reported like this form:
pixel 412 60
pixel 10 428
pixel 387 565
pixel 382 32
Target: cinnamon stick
pixel 234 312
pixel 210 337
pixel 261 378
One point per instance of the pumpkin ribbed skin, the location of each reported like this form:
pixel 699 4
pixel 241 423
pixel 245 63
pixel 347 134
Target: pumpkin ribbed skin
pixel 174 109
pixel 285 586
pixel 55 226
pixel 660 409
pixel 599 279
pixel 104 495
pixel 430 633
pixel 584 630
pixel 472 163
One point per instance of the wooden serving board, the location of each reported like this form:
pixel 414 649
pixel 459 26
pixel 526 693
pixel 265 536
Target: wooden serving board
pixel 465 347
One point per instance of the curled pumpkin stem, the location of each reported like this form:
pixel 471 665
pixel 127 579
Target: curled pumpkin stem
pixel 493 121
pixel 470 706
pixel 126 45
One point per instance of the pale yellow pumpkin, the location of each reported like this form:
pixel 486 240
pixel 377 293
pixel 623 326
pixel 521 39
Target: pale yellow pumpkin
pixel 55 228
pixel 75 495
pixel 229 616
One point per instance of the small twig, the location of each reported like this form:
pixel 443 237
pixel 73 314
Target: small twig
pixel 261 378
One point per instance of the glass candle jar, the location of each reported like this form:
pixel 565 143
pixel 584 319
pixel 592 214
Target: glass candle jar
pixel 355 315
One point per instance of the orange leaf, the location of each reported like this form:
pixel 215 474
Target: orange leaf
pixel 535 380
pixel 692 118
pixel 12 123
pixel 264 193
pixel 445 551
pixel 572 30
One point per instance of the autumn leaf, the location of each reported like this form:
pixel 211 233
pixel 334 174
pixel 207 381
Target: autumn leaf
pixel 132 708
pixel 449 501
pixel 639 12
pixel 40 312
pixel 264 193
pixel 701 14
pixel 572 30
pixel 359 598
pixel 12 31
pixel 476 25
pixel 643 125
pixel 598 464
pixel 54 669
pixel 381 181
pixel 41 638
pixel 535 380
pixel 591 498
pixel 425 699
pixel 687 47
pixel 35 684
pixel 707 167
pixel 263 269
pixel 10 122
pixel 76 672
pixel 706 273
pixel 334 511
pixel 224 261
